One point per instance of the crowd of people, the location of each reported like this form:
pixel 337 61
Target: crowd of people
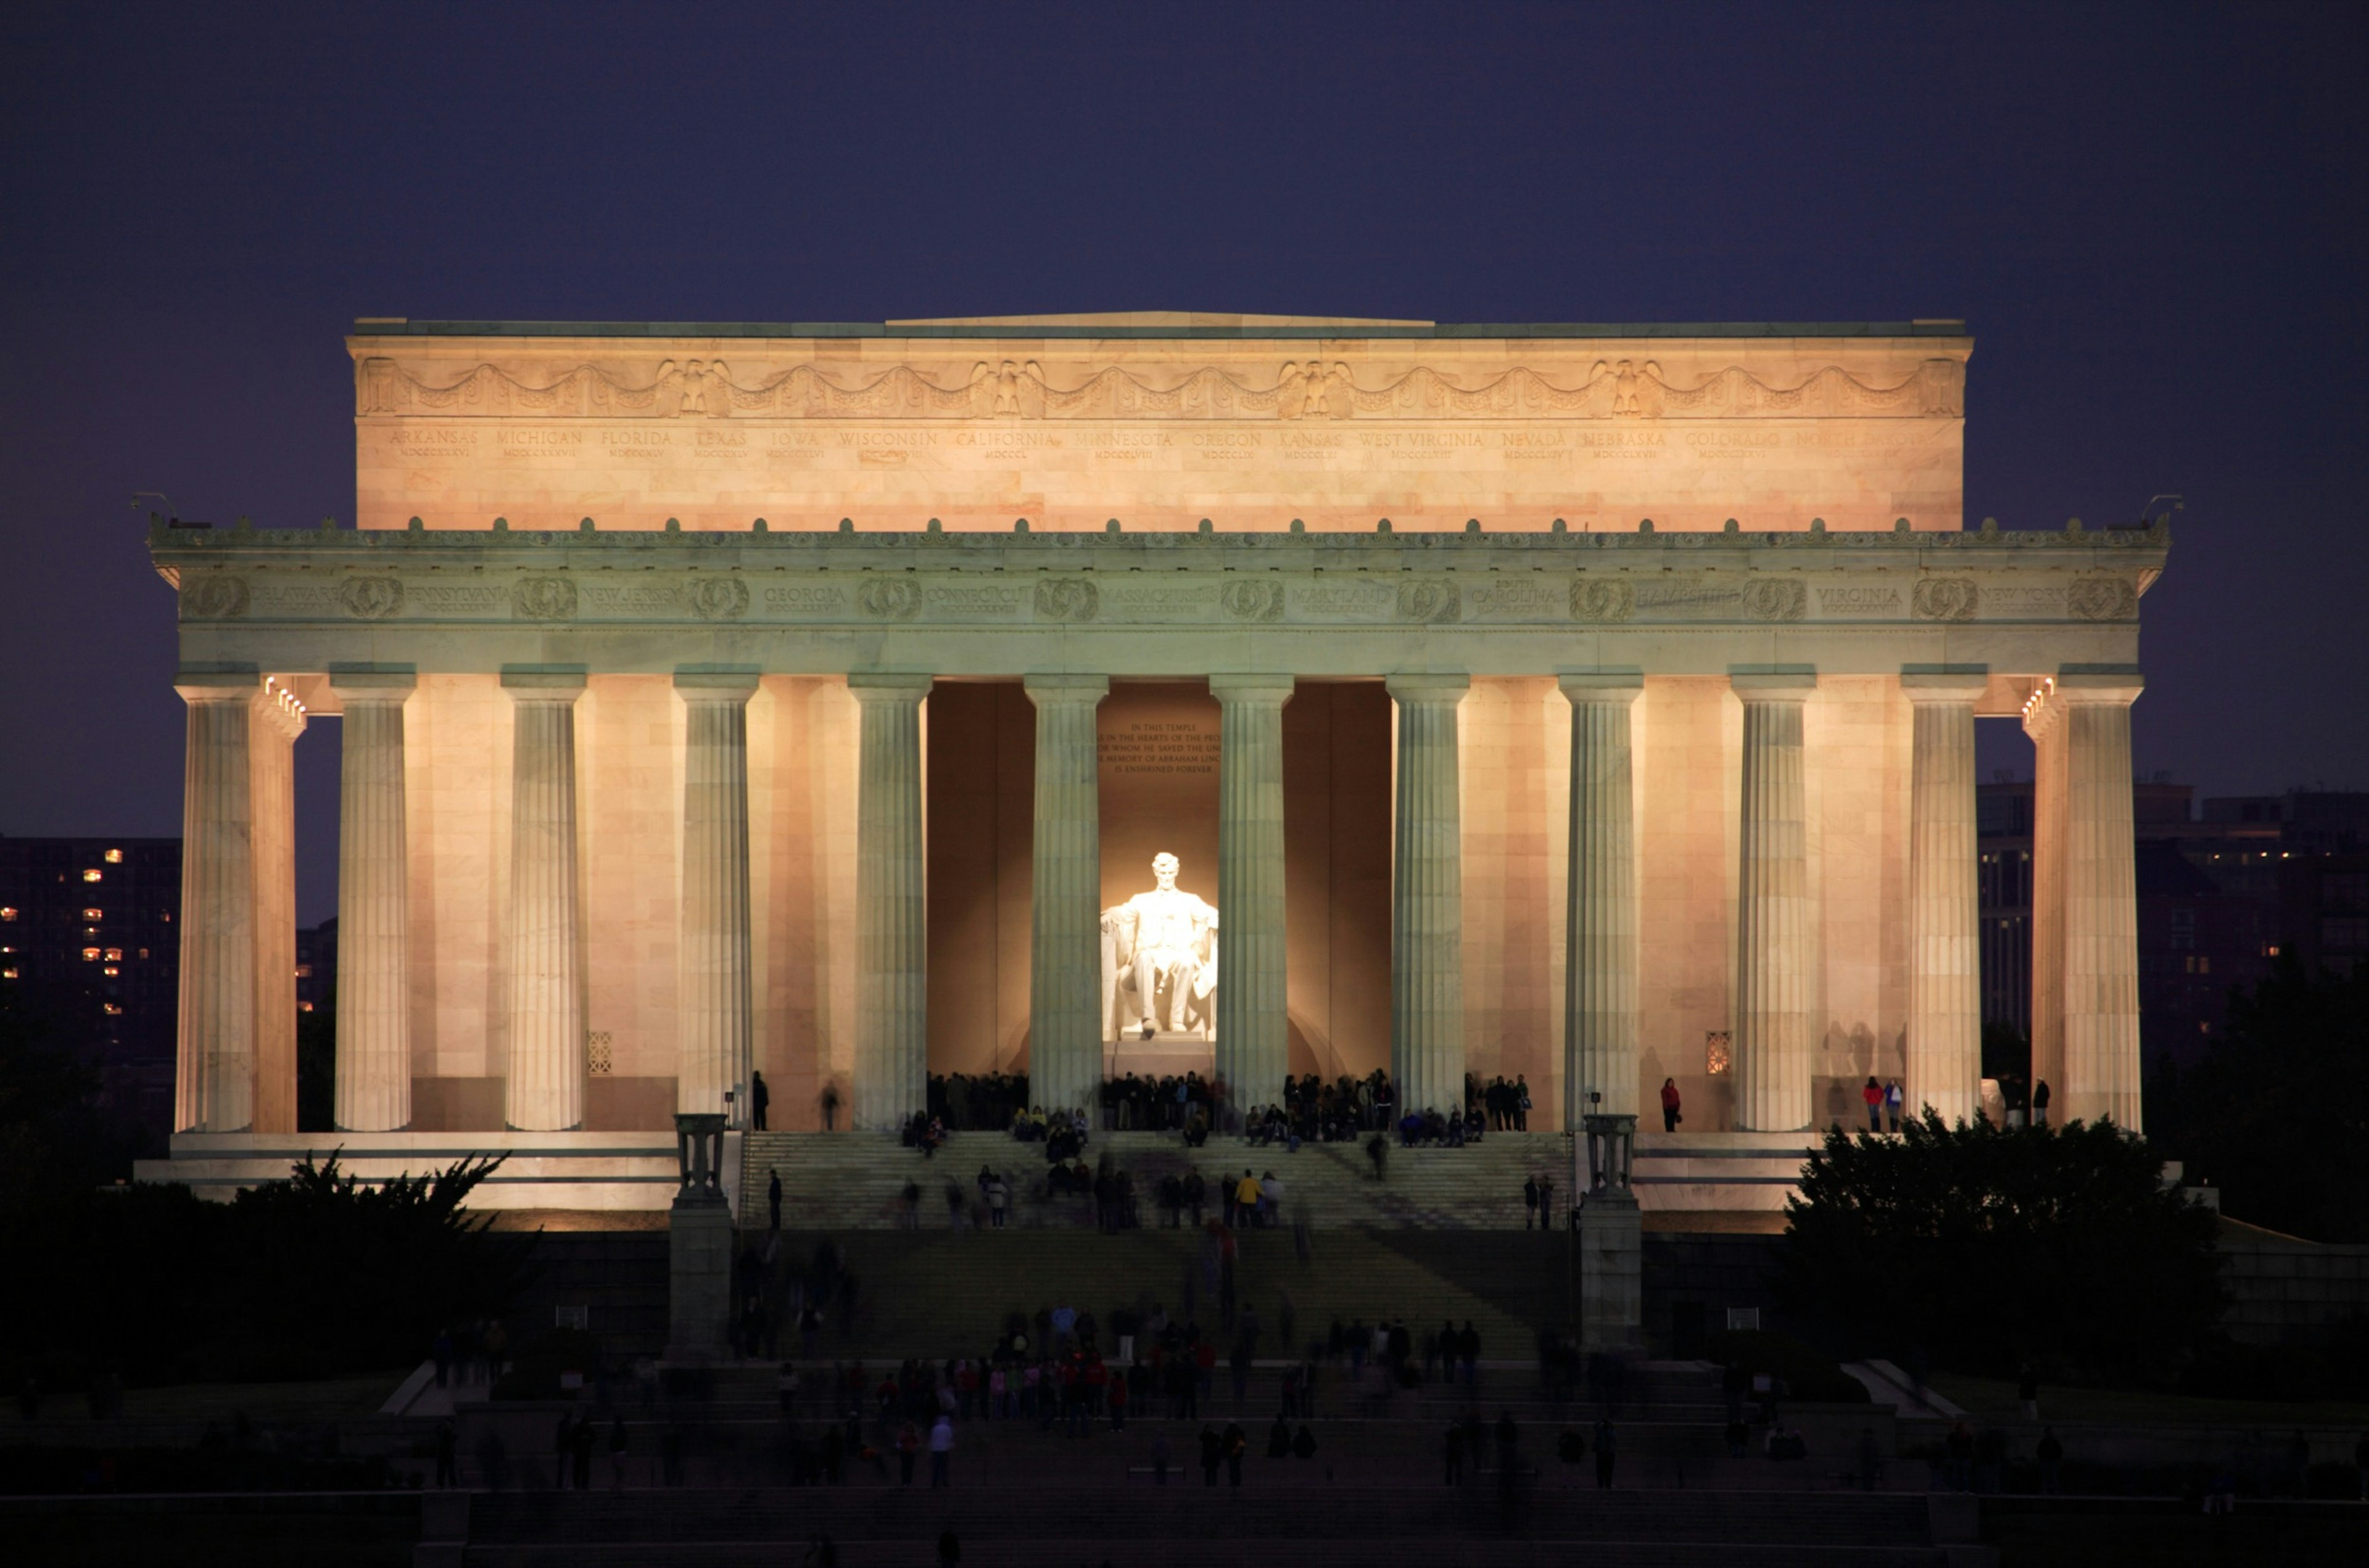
pixel 1312 1110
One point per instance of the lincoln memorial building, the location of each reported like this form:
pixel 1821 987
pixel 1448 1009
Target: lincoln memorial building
pixel 1081 696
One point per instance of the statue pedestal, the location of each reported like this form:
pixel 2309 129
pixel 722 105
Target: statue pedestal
pixel 1611 1274
pixel 699 1286
pixel 699 1247
pixel 1611 1241
pixel 1165 1055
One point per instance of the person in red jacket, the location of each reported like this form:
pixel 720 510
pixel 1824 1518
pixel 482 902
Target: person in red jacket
pixel 1873 1095
pixel 1670 1117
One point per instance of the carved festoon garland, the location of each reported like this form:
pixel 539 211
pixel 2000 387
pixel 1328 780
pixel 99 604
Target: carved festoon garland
pixel 1614 389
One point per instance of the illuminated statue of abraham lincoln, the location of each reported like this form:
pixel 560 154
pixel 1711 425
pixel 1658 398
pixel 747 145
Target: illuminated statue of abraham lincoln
pixel 1160 947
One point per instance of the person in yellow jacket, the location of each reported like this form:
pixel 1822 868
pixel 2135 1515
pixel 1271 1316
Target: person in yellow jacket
pixel 1246 1198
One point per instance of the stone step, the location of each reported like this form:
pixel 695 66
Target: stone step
pixel 941 1294
pixel 855 1180
pixel 1556 1507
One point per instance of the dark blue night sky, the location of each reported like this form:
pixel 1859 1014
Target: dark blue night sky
pixel 2151 217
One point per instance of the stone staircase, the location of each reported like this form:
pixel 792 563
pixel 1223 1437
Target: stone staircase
pixel 944 1292
pixel 1051 1525
pixel 852 1181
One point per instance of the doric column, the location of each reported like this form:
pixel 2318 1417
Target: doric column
pixel 545 1086
pixel 2085 1008
pixel 1945 1003
pixel 1427 898
pixel 1601 894
pixel 1773 955
pixel 1065 983
pixel 214 1071
pixel 374 1089
pixel 714 1026
pixel 1254 1032
pixel 271 794
pixel 892 1051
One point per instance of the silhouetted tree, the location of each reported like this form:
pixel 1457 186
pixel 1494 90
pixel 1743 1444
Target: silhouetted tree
pixel 1983 1246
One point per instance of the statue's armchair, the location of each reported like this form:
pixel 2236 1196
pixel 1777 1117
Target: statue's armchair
pixel 1191 999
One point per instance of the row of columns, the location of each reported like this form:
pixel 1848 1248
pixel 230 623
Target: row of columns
pixel 238 874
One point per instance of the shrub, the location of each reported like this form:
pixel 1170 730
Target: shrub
pixel 1987 1247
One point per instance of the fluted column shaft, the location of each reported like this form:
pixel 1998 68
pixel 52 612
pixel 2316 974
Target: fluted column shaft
pixel 271 793
pixel 373 1084
pixel 1945 1007
pixel 891 922
pixel 1427 898
pixel 544 1089
pixel 215 1068
pixel 715 1023
pixel 1065 986
pixel 1253 1026
pixel 1600 892
pixel 2086 1014
pixel 1773 949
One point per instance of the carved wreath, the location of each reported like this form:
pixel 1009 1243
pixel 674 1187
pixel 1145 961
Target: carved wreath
pixel 1944 599
pixel 891 599
pixel 543 598
pixel 1775 599
pixel 1594 600
pixel 1429 600
pixel 2101 598
pixel 1252 601
pixel 215 597
pixel 1067 598
pixel 719 599
pixel 371 598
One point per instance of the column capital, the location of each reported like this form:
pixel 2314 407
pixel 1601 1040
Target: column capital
pixel 1276 689
pixel 373 682
pixel 1043 688
pixel 201 685
pixel 543 682
pixel 1619 687
pixel 885 687
pixel 1942 684
pixel 696 685
pixel 2115 686
pixel 1772 682
pixel 1443 689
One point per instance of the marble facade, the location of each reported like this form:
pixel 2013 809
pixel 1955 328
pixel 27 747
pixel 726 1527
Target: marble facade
pixel 1512 748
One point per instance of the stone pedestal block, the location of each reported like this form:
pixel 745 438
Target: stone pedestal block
pixel 1611 1274
pixel 698 1284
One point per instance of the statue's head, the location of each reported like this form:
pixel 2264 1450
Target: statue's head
pixel 1163 870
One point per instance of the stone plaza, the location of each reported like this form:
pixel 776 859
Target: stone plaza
pixel 1595 705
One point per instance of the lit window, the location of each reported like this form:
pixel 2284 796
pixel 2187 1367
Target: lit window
pixel 2272 951
pixel 90 954
pixel 143 953
pixel 304 971
pixel 2204 964
pixel 7 974
pixel 110 970
pixel 113 1011
pixel 7 914
pixel 113 857
pixel 168 916
pixel 93 914
pixel 303 1007
pixel 115 954
pixel 90 876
